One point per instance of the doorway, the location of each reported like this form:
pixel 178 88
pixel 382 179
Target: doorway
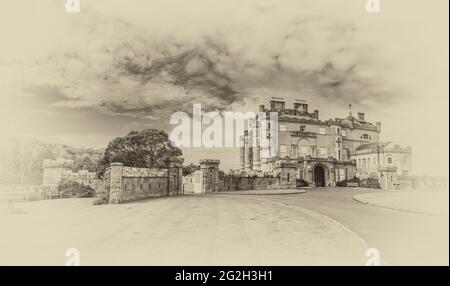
pixel 319 176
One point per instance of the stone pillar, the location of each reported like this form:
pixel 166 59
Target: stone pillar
pixel 256 149
pixel 210 175
pixel 247 165
pixel 115 183
pixel 242 153
pixel 175 173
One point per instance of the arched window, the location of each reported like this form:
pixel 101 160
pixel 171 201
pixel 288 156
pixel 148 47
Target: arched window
pixel 304 147
pixel 389 160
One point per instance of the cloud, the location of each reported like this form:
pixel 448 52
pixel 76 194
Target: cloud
pixel 122 68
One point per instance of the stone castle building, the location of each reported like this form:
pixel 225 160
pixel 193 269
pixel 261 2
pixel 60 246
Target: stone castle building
pixel 384 160
pixel 58 171
pixel 320 152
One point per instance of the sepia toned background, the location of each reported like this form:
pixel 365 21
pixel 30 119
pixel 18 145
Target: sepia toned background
pixel 72 82
pixel 81 78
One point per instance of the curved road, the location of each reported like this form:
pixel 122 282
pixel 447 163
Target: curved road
pixel 320 227
pixel 402 238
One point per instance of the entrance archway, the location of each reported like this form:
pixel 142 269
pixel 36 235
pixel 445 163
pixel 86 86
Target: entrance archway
pixel 319 176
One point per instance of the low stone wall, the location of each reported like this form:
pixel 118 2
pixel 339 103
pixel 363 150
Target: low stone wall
pixel 131 184
pixel 422 183
pixel 244 183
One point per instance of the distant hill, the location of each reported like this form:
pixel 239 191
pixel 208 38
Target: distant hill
pixel 21 159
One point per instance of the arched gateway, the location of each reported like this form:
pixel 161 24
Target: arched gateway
pixel 319 176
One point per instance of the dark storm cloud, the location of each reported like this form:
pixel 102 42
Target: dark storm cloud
pixel 125 70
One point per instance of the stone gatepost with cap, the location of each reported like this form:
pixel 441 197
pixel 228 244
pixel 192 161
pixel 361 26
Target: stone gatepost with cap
pixel 210 175
pixel 115 183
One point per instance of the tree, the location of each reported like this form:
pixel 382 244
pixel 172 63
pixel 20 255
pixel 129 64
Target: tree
pixel 145 149
pixel 189 169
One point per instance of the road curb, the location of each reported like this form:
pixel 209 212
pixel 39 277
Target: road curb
pixel 395 209
pixel 259 193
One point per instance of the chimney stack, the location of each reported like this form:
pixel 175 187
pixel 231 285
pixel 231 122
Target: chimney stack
pixel 361 116
pixel 277 103
pixel 301 105
pixel 378 126
pixel 316 114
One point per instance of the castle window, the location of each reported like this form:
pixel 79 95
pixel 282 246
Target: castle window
pixel 283 150
pixel 322 131
pixel 365 137
pixel 323 152
pixel 294 151
pixel 304 150
pixel 338 131
pixel 389 160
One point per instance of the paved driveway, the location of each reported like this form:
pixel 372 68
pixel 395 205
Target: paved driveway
pixel 321 227
pixel 402 238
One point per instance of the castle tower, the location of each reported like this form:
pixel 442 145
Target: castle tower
pixel 247 158
pixel 241 153
pixel 256 148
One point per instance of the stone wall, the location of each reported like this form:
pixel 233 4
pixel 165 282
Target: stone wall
pixel 245 183
pixel 131 184
pixel 422 183
pixel 56 172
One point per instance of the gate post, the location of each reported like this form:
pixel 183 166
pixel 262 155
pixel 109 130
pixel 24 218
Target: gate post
pixel 115 183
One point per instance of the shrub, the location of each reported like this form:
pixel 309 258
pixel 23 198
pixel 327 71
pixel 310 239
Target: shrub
pixel 73 189
pixel 301 183
pixel 344 183
pixel 100 201
pixel 370 183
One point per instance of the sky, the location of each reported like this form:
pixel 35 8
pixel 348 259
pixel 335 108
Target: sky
pixel 118 65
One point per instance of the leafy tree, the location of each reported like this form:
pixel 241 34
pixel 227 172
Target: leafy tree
pixel 73 189
pixel 21 159
pixel 189 169
pixel 145 149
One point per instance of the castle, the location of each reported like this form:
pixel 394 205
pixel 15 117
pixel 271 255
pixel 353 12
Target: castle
pixel 58 171
pixel 322 152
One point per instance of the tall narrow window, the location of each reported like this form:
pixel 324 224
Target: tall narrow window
pixel 283 150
